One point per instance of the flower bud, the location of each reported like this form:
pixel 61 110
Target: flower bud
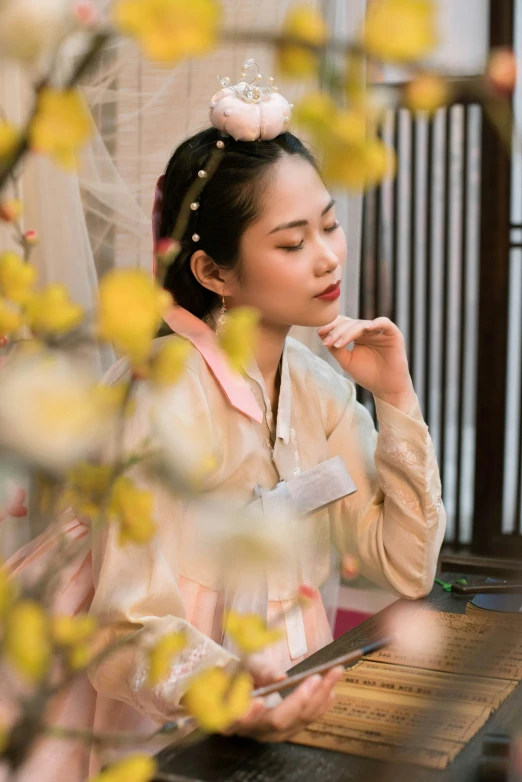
pixel 166 250
pixel 307 593
pixel 350 567
pixel 86 13
pixel 31 237
pixel 427 92
pixel 502 70
pixel 11 211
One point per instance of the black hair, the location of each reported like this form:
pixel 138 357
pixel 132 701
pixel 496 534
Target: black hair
pixel 229 203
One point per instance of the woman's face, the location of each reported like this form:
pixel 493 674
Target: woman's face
pixel 295 251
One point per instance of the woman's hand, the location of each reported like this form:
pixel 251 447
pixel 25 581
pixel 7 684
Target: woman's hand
pixel 377 360
pixel 275 719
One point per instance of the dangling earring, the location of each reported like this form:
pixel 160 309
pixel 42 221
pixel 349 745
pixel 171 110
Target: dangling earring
pixel 222 316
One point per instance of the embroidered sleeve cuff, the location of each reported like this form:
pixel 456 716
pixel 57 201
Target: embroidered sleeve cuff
pixel 410 425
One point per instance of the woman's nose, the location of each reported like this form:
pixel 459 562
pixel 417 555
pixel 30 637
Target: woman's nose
pixel 328 262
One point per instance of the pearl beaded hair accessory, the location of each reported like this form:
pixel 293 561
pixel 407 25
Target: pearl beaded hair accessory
pixel 247 111
pixel 250 110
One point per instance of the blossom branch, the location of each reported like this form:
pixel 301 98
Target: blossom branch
pixel 86 61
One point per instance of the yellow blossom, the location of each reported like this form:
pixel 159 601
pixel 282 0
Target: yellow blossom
pixel 169 362
pixel 249 632
pixel 26 640
pixel 131 508
pixel 73 633
pixel 69 630
pixel 9 140
pixel 400 30
pixel 7 592
pixel 16 277
pixel 169 30
pixel 79 657
pixel 135 768
pixel 359 166
pixel 114 397
pixel 355 82
pixel 305 23
pixel 87 485
pixel 162 655
pixel 349 127
pixel 316 112
pixel 131 306
pixel 237 336
pixel 10 319
pixel 52 312
pixel 352 157
pixel 61 126
pixel 426 92
pixel 217 698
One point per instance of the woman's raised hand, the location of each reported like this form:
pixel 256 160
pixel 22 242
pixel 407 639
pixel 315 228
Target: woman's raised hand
pixel 377 360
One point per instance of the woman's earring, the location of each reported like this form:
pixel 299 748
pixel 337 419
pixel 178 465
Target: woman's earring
pixel 222 316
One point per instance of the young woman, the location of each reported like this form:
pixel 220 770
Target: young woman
pixel 264 234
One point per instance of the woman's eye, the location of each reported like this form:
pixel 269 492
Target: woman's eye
pixel 333 227
pixel 294 247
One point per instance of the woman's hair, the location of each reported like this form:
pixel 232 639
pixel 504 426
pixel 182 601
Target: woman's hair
pixel 229 203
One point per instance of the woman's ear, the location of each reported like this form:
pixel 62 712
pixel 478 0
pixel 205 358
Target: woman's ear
pixel 207 273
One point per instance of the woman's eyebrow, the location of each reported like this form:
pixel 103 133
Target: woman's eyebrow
pixel 299 223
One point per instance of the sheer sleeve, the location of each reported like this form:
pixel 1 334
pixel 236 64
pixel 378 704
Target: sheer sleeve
pixel 394 523
pixel 136 587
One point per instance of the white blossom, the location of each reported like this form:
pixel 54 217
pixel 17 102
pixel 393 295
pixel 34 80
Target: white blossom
pixel 51 413
pixel 31 30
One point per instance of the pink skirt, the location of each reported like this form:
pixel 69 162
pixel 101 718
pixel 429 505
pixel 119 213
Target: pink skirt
pixel 80 706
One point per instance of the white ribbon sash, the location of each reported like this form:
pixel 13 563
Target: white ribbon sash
pixel 303 494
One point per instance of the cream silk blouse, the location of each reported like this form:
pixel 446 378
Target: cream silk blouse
pixel 389 515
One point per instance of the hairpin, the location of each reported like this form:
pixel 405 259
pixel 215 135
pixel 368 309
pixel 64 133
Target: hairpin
pixel 250 110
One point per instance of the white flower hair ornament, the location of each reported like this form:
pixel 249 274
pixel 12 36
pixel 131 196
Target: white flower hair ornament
pixel 249 110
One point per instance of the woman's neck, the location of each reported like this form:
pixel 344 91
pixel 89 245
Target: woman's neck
pixel 268 350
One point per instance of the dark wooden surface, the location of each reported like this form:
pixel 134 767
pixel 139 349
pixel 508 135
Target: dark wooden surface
pixel 219 759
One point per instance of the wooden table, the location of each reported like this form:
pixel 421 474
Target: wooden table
pixel 241 760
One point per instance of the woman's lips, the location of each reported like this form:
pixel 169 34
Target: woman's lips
pixel 331 293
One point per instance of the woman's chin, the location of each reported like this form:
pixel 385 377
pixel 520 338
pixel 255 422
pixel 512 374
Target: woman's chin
pixel 320 315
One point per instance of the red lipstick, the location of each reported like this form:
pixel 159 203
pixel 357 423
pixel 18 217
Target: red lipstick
pixel 331 293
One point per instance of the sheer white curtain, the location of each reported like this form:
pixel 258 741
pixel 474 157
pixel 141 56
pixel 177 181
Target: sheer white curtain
pixel 99 218
pixel 53 206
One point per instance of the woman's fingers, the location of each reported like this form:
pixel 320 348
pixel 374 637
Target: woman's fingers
pixel 306 704
pixel 289 715
pixel 320 701
pixel 342 328
pixel 335 334
pixel 329 326
pixel 264 673
pixel 267 723
pixel 343 334
pixel 245 725
pixel 363 334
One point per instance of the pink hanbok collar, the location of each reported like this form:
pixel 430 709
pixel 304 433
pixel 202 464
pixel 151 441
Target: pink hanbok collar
pixel 187 325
